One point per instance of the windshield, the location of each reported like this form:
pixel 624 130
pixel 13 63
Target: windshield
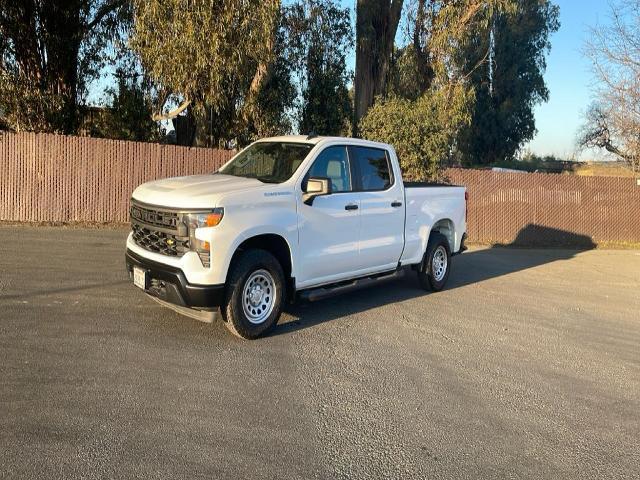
pixel 270 162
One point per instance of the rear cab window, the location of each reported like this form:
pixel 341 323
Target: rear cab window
pixel 372 168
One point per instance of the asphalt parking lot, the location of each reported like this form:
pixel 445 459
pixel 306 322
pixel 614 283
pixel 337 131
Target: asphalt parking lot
pixel 527 366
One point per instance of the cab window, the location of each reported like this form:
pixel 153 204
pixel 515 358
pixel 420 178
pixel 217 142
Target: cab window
pixel 372 165
pixel 332 163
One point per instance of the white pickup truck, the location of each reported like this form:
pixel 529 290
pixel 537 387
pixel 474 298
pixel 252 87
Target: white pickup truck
pixel 285 218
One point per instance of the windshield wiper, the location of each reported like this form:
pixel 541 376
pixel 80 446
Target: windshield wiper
pixel 267 180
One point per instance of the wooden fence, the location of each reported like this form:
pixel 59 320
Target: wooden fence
pixel 51 178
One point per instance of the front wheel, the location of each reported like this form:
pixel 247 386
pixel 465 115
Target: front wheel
pixel 255 293
pixel 434 271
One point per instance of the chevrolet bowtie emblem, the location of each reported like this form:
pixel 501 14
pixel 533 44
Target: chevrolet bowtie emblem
pixel 170 241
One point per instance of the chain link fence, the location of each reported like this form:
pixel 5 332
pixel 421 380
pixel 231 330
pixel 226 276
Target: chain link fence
pixel 63 179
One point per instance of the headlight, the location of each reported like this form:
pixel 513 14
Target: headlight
pixel 205 219
pixel 202 220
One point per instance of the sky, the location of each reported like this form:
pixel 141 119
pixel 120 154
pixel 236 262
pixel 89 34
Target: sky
pixel 569 79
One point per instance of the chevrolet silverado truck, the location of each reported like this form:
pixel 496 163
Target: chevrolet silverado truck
pixel 288 218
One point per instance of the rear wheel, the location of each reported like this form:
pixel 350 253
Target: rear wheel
pixel 255 293
pixel 434 271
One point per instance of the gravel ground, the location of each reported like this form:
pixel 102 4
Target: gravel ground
pixel 527 366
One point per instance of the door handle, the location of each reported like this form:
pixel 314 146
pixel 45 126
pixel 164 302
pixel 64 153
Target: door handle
pixel 396 204
pixel 351 206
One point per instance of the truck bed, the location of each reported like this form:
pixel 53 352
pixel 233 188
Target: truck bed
pixel 437 205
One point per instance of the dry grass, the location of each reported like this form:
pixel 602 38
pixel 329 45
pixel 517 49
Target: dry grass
pixel 601 169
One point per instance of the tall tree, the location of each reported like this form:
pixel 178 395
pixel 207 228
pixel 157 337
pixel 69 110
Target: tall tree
pixel 510 83
pixel 320 35
pixel 376 26
pixel 613 120
pixel 438 30
pixel 49 51
pixel 277 96
pixel 430 96
pixel 212 56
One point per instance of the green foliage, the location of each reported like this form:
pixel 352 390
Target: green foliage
pixel 206 51
pixel 277 95
pixel 320 35
pixel 440 33
pixel 430 99
pixel 422 131
pixel 510 83
pixel 25 107
pixel 493 51
pixel 127 115
pixel 404 79
pixel 239 64
pixel 49 52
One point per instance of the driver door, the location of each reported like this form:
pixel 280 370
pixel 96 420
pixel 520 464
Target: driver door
pixel 329 229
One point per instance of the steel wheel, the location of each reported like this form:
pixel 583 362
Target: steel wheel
pixel 259 296
pixel 439 264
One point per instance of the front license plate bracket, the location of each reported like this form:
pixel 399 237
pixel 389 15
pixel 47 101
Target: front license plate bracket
pixel 140 278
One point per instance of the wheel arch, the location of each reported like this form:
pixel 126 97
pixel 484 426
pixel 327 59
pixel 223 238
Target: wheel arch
pixel 446 227
pixel 275 244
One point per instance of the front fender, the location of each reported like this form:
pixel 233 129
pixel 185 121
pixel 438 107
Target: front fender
pixel 242 223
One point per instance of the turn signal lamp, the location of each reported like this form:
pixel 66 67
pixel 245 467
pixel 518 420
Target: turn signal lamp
pixel 214 219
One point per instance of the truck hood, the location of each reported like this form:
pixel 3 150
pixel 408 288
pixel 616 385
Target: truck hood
pixel 196 191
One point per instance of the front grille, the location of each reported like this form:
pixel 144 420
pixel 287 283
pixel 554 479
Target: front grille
pixel 159 241
pixel 153 217
pixel 159 230
pixel 162 231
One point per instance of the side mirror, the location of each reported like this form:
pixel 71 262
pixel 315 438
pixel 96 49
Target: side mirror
pixel 316 187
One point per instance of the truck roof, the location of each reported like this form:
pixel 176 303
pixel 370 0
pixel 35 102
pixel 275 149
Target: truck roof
pixel 318 139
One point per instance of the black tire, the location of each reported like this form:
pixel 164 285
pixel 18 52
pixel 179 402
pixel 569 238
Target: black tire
pixel 249 266
pixel 428 278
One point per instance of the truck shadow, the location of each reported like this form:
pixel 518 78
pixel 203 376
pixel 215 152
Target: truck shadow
pixel 528 250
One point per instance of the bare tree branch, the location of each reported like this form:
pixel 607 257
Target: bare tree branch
pixel 173 113
pixel 613 121
pixel 105 10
